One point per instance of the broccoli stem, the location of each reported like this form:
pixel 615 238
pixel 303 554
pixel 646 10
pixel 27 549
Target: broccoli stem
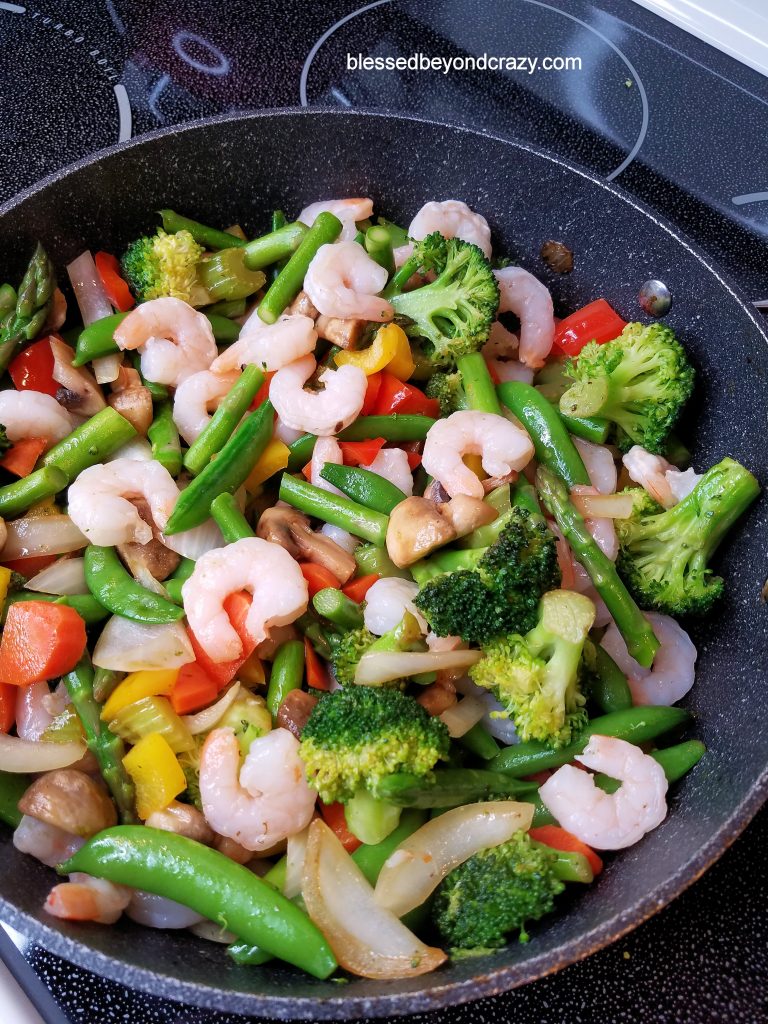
pixel 634 627
pixel 23 320
pixel 445 561
pixel 370 819
pixel 478 386
pixel 405 636
pixel 523 495
pixel 210 238
pixel 339 609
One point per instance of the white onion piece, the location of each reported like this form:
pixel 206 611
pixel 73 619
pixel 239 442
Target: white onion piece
pixel 285 433
pixel 63 577
pixel 295 856
pixel 443 643
pixel 213 932
pixel 88 289
pixel 17 755
pixel 206 719
pixel 366 939
pixel 383 666
pixel 127 646
pixel 423 860
pixel 41 535
pixel 502 729
pixel 460 717
pixel 341 537
pixel 386 603
pixel 602 506
pixel 143 576
pixel 155 911
pixel 107 368
pixel 138 448
pixel 599 464
pixel 196 542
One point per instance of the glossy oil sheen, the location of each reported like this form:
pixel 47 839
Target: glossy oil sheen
pixel 238 169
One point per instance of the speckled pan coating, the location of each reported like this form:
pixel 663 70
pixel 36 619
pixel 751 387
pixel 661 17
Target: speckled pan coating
pixel 237 169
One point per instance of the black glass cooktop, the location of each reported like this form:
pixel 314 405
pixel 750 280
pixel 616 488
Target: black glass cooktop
pixel 673 121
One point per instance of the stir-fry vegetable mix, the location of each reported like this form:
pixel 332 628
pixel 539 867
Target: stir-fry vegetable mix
pixel 322 586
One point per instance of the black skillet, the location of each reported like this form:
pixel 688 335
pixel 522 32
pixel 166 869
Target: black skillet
pixel 238 168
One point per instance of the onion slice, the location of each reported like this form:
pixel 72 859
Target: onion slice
pixel 602 506
pixel 41 535
pixel 82 395
pixel 459 718
pixel 422 861
pixel 67 576
pixel 206 719
pixel 89 291
pixel 127 646
pixel 295 856
pixel 383 666
pixel 106 369
pixel 366 939
pixel 17 755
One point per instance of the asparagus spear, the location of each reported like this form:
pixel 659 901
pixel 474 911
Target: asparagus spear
pixel 107 748
pixel 26 317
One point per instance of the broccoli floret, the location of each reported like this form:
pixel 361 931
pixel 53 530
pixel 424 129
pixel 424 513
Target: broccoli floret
pixel 348 648
pixel 5 444
pixel 494 893
pixel 163 265
pixel 664 554
pixel 639 382
pixel 536 676
pixel 454 313
pixel 358 735
pixel 499 591
pixel 448 389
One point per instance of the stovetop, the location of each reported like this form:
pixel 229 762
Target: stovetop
pixel 672 120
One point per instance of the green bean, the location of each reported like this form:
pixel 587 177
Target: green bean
pixel 230 520
pixel 588 428
pixel 478 741
pixel 363 486
pixel 97 339
pixel 223 422
pixel 164 438
pixel 378 245
pixel 317 634
pixel 86 605
pixel 398 236
pixel 449 787
pixel 398 427
pixel 313 501
pixel 279 243
pixel 92 442
pixel 114 587
pixel 209 238
pixel 608 686
pixel 339 609
pixel 279 220
pixel 105 682
pixel 554 447
pixel 18 496
pixel 287 674
pixel 636 725
pixel 288 282
pixel 375 560
pixel 478 386
pixel 225 331
pixel 226 472
pixel 205 880
pixel 178 578
pixel 12 788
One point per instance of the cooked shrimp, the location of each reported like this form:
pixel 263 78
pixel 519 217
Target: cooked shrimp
pixel 501 344
pixel 326 450
pixel 193 398
pixel 47 843
pixel 155 911
pixel 33 414
pixel 602 529
pixel 100 500
pixel 84 898
pixel 175 340
pixel 608 821
pixel 347 210
pixel 392 464
pixel 269 801
pixel 526 297
pixel 674 666
pixel 599 464
pixel 270 346
pixel 266 570
pixel 502 445
pixel 285 433
pixel 386 603
pixel 322 413
pixel 453 219
pixel 343 281
pixel 663 481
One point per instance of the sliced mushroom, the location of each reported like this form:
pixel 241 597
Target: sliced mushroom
pixel 278 635
pixel 70 800
pixel 153 557
pixel 294 711
pixel 290 529
pixel 302 305
pixel 466 514
pixel 79 392
pixel 184 820
pixel 492 482
pixel 132 400
pixel 438 696
pixel 57 313
pixel 345 333
pixel 416 527
pixel 232 849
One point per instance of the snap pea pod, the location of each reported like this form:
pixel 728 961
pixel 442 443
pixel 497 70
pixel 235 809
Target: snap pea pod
pixel 287 674
pixel 86 605
pixel 288 282
pixel 398 427
pixel 226 472
pixel 248 955
pixel 636 725
pixel 478 741
pixel 178 578
pixel 114 587
pixel 20 495
pixel 229 519
pixel 449 787
pixel 378 245
pixel 634 627
pixel 210 238
pixel 223 422
pixel 276 245
pixel 92 442
pixel 227 308
pixel 205 880
pixel 588 428
pixel 551 440
pixel 339 609
pixel 13 786
pixel 355 519
pixel 97 339
pixel 225 330
pixel 164 438
pixel 608 686
pixel 478 386
pixel 364 487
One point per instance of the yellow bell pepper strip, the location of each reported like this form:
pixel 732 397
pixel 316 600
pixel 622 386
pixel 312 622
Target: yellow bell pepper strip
pixel 156 774
pixel 5 580
pixel 146 683
pixel 390 349
pixel 274 458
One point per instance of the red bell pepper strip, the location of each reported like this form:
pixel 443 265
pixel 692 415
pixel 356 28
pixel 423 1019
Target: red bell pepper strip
pixel 560 839
pixel 118 292
pixel 361 453
pixel 357 589
pixel 7 706
pixel 317 675
pixel 21 458
pixel 335 819
pixel 263 393
pixel 29 567
pixel 40 641
pixel 223 672
pixel 32 369
pixel 317 577
pixel 595 322
pixel 371 394
pixel 194 689
pixel 397 396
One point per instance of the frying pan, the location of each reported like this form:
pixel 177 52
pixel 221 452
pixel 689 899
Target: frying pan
pixel 240 167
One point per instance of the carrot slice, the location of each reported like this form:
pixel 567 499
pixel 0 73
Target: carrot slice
pixel 357 589
pixel 7 707
pixel 317 674
pixel 194 689
pixel 40 641
pixel 21 458
pixel 560 839
pixel 317 577
pixel 335 819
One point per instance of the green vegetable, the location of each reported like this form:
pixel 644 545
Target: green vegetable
pixel 606 684
pixel 639 382
pixel 348 649
pixel 369 818
pixel 152 715
pixel 372 559
pixel 226 418
pixel 454 313
pixel 178 578
pixel 107 748
pixel 522 495
pixel 226 472
pixel 287 674
pixel 164 438
pixel 451 787
pixel 226 275
pixel 636 725
pixel 363 486
pixel 664 554
pixel 358 735
pixel 370 858
pixel 114 587
pixel 635 628
pixel 105 682
pixel 227 308
pixel 12 788
pixel 356 519
pixel 224 330
pixel 92 442
pixel 159 392
pixel 448 389
pixel 97 339
pixel 378 245
pixel 589 428
pixel 499 591
pixel 208 238
pixel 398 236
pixel 246 954
pixel 398 427
pixel 478 386
pixel 339 609
pixel 230 520
pixel 248 718
pixel 278 244
pixel 288 282
pixel 18 496
pixel 86 606
pixel 24 313
pixel 205 880
pixel 164 265
pixel 478 741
